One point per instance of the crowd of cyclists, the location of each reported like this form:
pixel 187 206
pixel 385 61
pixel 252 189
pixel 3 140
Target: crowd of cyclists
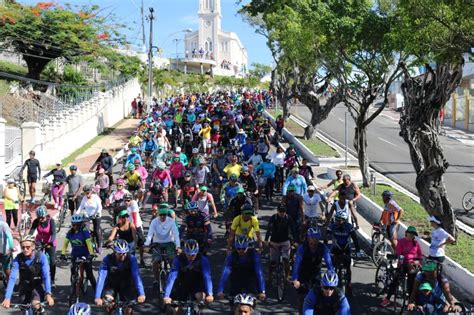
pixel 196 161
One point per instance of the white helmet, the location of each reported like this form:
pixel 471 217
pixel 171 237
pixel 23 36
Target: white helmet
pixel 244 299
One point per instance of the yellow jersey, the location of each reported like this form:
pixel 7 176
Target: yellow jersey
pixel 241 227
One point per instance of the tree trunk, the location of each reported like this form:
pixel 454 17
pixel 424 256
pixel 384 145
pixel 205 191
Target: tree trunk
pixel 425 97
pixel 35 66
pixel 360 144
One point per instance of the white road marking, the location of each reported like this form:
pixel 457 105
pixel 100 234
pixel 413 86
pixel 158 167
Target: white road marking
pixel 381 139
pixel 471 178
pixel 340 119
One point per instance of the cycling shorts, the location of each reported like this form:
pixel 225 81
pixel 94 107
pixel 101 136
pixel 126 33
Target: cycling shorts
pixel 391 229
pixel 31 178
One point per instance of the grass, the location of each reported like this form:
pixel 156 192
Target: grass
pixel 4 87
pixel 10 67
pixel 318 147
pixel 73 156
pixel 414 214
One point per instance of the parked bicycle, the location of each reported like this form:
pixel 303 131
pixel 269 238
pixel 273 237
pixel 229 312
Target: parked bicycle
pixel 468 201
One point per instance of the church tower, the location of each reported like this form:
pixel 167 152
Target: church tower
pixel 209 25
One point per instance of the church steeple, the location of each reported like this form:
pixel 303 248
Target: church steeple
pixel 210 7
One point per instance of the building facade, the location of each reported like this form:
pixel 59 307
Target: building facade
pixel 210 49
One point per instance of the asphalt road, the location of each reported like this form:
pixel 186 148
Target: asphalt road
pixel 389 154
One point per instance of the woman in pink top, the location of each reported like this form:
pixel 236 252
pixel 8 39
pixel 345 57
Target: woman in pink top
pixel 410 249
pixel 177 171
pixel 162 177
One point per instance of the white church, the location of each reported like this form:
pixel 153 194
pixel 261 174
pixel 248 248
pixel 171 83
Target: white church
pixel 210 49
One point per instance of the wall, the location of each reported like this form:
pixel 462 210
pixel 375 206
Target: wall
pixel 78 125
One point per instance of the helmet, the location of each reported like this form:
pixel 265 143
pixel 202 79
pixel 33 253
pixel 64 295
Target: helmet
pixel 131 167
pixel 329 279
pixel 192 205
pixel 79 308
pixel 133 150
pixel 191 247
pixel 136 161
pixel 388 194
pixel 195 150
pixel 244 299
pixel 128 196
pixel 73 167
pixel 341 215
pixel 77 218
pixel 28 238
pixel 161 165
pixel 87 188
pixel 121 246
pixel 120 181
pixel 233 177
pixel 241 242
pixel 314 233
pixel 41 211
pixel 247 208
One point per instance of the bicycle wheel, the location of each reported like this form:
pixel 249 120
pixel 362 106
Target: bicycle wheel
pixel 280 281
pixel 84 285
pixel 375 239
pixel 468 201
pixel 161 290
pixel 380 251
pixel 381 275
pixel 62 217
pixel 400 295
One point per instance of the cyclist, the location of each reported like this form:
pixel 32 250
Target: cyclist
pixel 182 156
pixel 343 205
pixel 244 304
pixel 348 189
pixel 281 231
pixel 45 229
pixel 249 183
pixel 440 289
pixel 267 176
pixel 306 171
pixel 235 205
pixel 79 308
pixel 124 230
pixel 245 224
pixel 188 188
pixel 218 164
pixel 134 213
pixel 242 265
pixel 294 205
pixel 327 298
pixel 307 265
pixel 116 273
pixel 163 234
pixel 106 162
pixel 116 198
pixel 102 183
pixel 198 226
pixel 233 168
pixel 81 244
pixel 75 183
pixel 278 158
pixel 203 199
pixel 298 181
pixel 33 172
pixel 149 145
pixel 190 275
pixel 6 247
pixel 134 179
pixel 229 190
pixel 391 216
pixel 59 177
pixel 311 200
pixel 132 156
pixel 177 170
pixel 161 176
pixel 410 249
pixel 202 174
pixel 33 270
pixel 334 183
pixel 91 209
pixel 341 245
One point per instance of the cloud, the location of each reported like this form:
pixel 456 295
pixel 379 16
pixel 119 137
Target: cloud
pixel 191 19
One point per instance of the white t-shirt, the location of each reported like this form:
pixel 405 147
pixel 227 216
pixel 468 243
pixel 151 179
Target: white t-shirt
pixel 133 208
pixel 278 158
pixel 310 205
pixel 91 207
pixel 438 236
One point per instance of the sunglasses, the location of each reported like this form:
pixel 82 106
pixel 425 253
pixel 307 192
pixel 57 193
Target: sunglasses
pixel 26 247
pixel 128 200
pixel 162 215
pixel 328 288
pixel 338 174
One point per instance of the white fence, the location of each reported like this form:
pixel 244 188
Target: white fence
pixel 76 126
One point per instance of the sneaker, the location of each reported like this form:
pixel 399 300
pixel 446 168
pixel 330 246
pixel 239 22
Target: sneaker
pixel 385 302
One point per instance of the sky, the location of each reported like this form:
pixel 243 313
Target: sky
pixel 175 15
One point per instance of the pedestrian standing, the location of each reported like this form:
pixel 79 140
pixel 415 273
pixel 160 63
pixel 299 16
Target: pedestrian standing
pixel 33 173
pixel 11 201
pixel 134 107
pixel 439 238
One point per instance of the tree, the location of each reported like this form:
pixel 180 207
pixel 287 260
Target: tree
pixel 437 34
pixel 260 70
pixel 46 31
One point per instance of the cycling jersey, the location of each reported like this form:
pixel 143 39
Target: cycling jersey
pixel 149 145
pixel 281 229
pixel 80 242
pixel 185 272
pixel 229 191
pixel 118 274
pixel 133 178
pixel 342 234
pixel 242 268
pixel 391 212
pixel 198 227
pixel 316 303
pixel 241 227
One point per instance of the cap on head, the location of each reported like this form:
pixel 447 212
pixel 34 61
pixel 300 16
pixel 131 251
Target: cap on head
pixel 203 188
pixel 195 150
pixel 311 188
pixel 240 190
pixel 429 266
pixel 103 151
pixel 291 187
pixel 123 213
pixel 412 230
pixel 73 167
pixel 425 286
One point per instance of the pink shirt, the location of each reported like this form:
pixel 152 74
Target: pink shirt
pixel 177 169
pixel 162 176
pixel 411 252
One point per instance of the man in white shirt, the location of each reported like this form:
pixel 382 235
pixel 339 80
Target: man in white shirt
pixel 163 236
pixel 311 200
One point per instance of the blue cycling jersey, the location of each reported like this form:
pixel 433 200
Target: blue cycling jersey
pixel 132 157
pixel 268 169
pixel 311 303
pixel 149 145
pixel 341 234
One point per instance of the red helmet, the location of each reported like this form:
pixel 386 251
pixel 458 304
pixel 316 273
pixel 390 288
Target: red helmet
pixel 137 161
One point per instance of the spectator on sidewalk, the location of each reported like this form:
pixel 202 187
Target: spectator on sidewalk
pixel 439 238
pixel 33 173
pixel 11 201
pixel 134 107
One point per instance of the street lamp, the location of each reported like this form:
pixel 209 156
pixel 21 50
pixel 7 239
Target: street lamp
pixel 177 40
pixel 188 30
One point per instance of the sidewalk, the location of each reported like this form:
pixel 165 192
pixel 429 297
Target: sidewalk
pixel 463 136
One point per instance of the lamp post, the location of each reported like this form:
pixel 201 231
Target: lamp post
pixel 151 17
pixel 188 30
pixel 176 40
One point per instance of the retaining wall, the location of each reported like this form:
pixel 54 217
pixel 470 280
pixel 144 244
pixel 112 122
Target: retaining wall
pixel 77 126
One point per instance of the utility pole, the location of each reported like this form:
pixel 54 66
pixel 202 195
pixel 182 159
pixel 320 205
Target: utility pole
pixel 150 58
pixel 143 27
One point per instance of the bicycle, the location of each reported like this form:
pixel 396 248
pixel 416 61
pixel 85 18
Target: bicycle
pixel 340 267
pixel 25 221
pixel 381 246
pixel 21 184
pixel 117 306
pixel 46 190
pixel 79 279
pixel 190 307
pixel 385 274
pixel 468 201
pixel 27 309
pixel 429 309
pixel 164 271
pixel 63 213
